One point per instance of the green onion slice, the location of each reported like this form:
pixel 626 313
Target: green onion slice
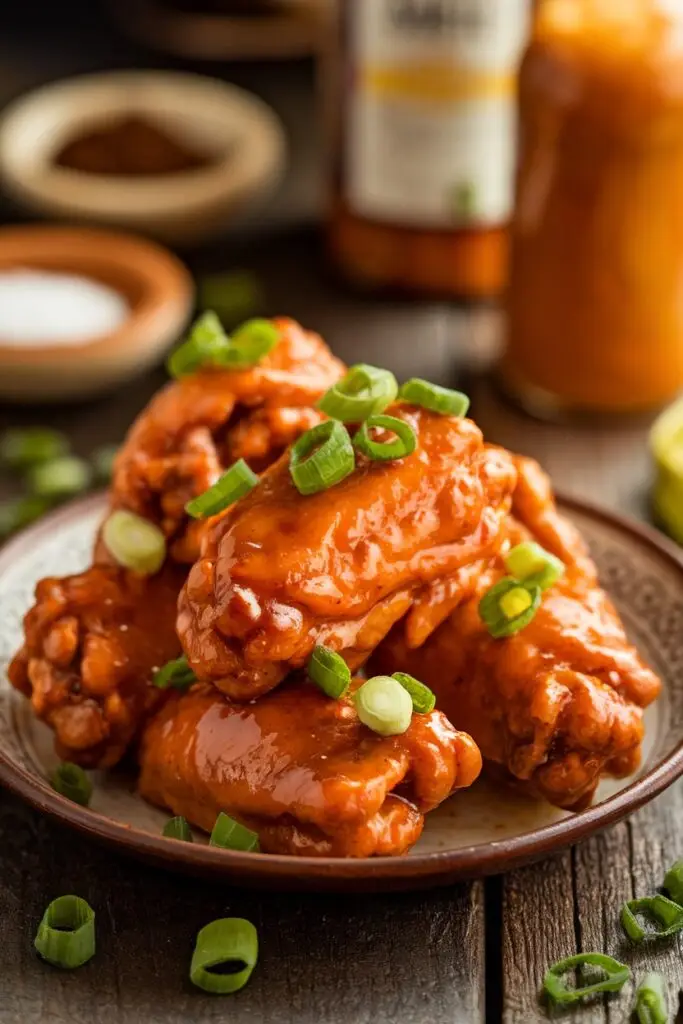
pixel 233 294
pixel 207 343
pixel 533 564
pixel 134 542
pixel 422 697
pixel 673 882
pixel 66 934
pixel 60 478
pixel 233 485
pixel 224 956
pixel 176 675
pixel 250 343
pixel 384 705
pixel 178 828
pixel 658 909
pixel 651 1005
pixel 21 448
pixel 72 782
pixel 432 396
pixel 19 512
pixel 403 444
pixel 230 835
pixel 555 985
pixel 364 391
pixel 509 606
pixel 329 671
pixel 321 458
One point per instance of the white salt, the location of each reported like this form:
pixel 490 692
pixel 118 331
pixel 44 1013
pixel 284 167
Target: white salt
pixel 42 306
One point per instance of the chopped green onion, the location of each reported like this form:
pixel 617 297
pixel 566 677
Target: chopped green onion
pixel 134 542
pixel 224 956
pixel 233 485
pixel 617 974
pixel 509 606
pixel 329 671
pixel 533 564
pixel 21 448
pixel 66 934
pixel 72 782
pixel 176 675
pixel 364 390
pixel 673 882
pixel 658 908
pixel 178 828
pixel 250 343
pixel 403 444
pixel 432 396
pixel 20 512
pixel 422 697
pixel 384 705
pixel 234 295
pixel 651 1005
pixel 230 835
pixel 60 478
pixel 103 460
pixel 206 344
pixel 321 458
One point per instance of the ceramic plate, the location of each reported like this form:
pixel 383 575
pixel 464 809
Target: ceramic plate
pixel 478 832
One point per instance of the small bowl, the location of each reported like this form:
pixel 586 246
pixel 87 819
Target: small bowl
pixel 159 291
pixel 243 135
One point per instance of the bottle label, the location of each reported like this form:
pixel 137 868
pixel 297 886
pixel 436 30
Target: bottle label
pixel 431 118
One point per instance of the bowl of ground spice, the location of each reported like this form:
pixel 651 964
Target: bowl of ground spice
pixel 174 155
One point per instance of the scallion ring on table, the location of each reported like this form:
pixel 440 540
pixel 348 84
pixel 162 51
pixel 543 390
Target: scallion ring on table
pixel 321 458
pixel 555 986
pixel 206 344
pixel 403 444
pixel 230 835
pixel 174 675
pixel 651 1007
pixel 19 512
pixel 225 954
pixel 23 447
pixel 59 478
pixel 233 485
pixel 66 934
pixel 178 828
pixel 72 782
pixel 134 542
pixel 329 671
pixel 531 563
pixel 509 606
pixel 659 909
pixel 384 705
pixel 673 882
pixel 434 397
pixel 422 697
pixel 364 390
pixel 249 344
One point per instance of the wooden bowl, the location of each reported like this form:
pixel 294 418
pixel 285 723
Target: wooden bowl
pixel 156 285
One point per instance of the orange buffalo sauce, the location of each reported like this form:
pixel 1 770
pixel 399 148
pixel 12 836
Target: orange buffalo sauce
pixel 596 297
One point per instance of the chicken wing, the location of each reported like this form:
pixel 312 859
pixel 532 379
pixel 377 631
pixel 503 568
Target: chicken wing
pixel 280 572
pixel 558 704
pixel 301 770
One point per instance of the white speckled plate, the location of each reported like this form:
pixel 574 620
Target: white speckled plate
pixel 476 832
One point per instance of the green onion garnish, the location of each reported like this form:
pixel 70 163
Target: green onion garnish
pixel 234 295
pixel 364 390
pixel 403 444
pixel 321 458
pixel 233 485
pixel 19 512
pixel 384 705
pixel 432 396
pixel 533 564
pixel 102 461
pixel 230 835
pixel 224 956
pixel 176 675
pixel 651 1005
pixel 616 976
pixel 72 782
pixel 673 882
pixel 329 671
pixel 134 542
pixel 22 448
pixel 657 908
pixel 60 478
pixel 206 343
pixel 250 343
pixel 509 606
pixel 178 828
pixel 66 934
pixel 422 697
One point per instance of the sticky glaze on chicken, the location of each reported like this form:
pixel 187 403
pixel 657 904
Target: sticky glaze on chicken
pixel 280 572
pixel 559 703
pixel 301 770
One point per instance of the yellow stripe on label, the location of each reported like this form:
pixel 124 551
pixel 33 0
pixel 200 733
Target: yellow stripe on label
pixel 437 84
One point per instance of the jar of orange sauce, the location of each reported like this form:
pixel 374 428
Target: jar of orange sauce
pixel 595 305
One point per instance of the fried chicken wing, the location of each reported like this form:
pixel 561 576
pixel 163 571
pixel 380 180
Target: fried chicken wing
pixel 557 704
pixel 280 572
pixel 301 770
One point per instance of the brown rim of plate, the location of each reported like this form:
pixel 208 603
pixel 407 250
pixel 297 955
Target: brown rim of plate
pixel 372 873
